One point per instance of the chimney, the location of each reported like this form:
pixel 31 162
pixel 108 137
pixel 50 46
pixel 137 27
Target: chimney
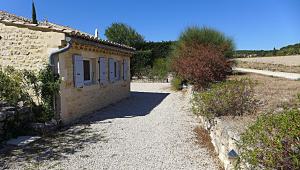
pixel 96 33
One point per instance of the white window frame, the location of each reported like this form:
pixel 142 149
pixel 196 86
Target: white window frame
pixel 91 72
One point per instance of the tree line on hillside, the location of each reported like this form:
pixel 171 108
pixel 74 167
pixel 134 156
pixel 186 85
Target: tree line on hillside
pixel 284 51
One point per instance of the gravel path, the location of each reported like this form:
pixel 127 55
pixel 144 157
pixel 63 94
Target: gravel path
pixel 153 129
pixel 291 76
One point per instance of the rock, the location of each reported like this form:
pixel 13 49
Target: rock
pixel 8 108
pixel 9 114
pixel 2 116
pixel 3 104
pixel 23 140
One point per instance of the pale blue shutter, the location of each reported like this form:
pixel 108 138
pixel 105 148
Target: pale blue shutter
pixel 78 71
pixel 125 69
pixel 102 70
pixel 118 70
pixel 111 70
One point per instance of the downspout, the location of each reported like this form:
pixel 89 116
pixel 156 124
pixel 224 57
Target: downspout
pixel 52 64
pixel 54 53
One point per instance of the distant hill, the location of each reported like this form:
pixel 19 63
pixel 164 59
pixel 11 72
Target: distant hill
pixel 284 51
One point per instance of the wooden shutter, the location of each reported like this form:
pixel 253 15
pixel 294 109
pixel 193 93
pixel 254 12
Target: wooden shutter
pixel 125 69
pixel 78 71
pixel 118 70
pixel 111 70
pixel 102 69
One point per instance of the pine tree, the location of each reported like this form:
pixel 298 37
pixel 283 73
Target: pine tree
pixel 34 20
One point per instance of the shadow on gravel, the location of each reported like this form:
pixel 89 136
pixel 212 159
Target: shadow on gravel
pixel 53 147
pixel 74 138
pixel 138 104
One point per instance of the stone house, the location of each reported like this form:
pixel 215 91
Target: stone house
pixel 94 73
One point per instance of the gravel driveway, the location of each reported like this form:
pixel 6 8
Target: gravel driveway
pixel 153 129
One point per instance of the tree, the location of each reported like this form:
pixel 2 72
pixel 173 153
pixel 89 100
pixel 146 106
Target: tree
pixel 34 20
pixel 201 56
pixel 274 51
pixel 123 34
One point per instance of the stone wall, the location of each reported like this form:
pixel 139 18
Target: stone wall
pixel 76 102
pixel 24 48
pixel 13 119
pixel 224 137
pixel 224 140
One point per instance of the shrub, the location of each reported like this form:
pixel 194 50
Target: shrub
pixel 12 86
pixel 176 83
pixel 15 87
pixel 160 68
pixel 200 56
pixel 140 60
pixel 272 142
pixel 233 98
pixel 49 88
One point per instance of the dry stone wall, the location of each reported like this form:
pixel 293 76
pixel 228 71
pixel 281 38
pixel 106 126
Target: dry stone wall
pixel 24 48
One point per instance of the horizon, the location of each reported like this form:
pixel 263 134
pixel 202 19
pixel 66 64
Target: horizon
pixel 261 25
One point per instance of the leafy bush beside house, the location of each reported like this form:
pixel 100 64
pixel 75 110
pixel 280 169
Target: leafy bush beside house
pixel 13 87
pixel 34 90
pixel 272 142
pixel 229 98
pixel 201 56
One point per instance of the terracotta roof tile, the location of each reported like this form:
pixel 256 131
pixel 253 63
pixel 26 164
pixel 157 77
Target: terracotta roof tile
pixel 6 17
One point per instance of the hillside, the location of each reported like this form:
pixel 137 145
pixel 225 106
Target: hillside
pixel 284 51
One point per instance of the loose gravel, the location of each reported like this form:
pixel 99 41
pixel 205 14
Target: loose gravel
pixel 153 129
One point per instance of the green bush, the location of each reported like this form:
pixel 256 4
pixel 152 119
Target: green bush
pixel 176 83
pixel 160 69
pixel 13 87
pixel 139 63
pixel 49 88
pixel 272 142
pixel 230 98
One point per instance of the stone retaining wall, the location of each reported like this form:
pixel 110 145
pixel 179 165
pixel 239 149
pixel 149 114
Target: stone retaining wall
pixel 223 139
pixel 12 118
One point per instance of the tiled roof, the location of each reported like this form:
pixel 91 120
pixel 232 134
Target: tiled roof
pixel 6 17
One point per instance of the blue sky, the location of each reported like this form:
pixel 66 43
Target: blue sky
pixel 253 24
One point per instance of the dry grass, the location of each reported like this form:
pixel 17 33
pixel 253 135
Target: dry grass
pixel 268 66
pixel 272 93
pixel 204 140
pixel 282 60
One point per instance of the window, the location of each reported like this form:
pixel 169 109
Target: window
pixel 87 70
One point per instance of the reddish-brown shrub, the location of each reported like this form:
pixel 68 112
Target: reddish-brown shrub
pixel 201 64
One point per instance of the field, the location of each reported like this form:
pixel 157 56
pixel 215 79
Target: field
pixel 289 64
pixel 282 60
pixel 272 95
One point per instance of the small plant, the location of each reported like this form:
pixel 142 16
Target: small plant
pixel 272 142
pixel 176 83
pixel 49 88
pixel 160 68
pixel 230 98
pixel 15 87
pixel 12 87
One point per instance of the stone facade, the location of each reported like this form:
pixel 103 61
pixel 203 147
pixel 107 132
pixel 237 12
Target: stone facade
pixel 29 47
pixel 77 101
pixel 25 48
